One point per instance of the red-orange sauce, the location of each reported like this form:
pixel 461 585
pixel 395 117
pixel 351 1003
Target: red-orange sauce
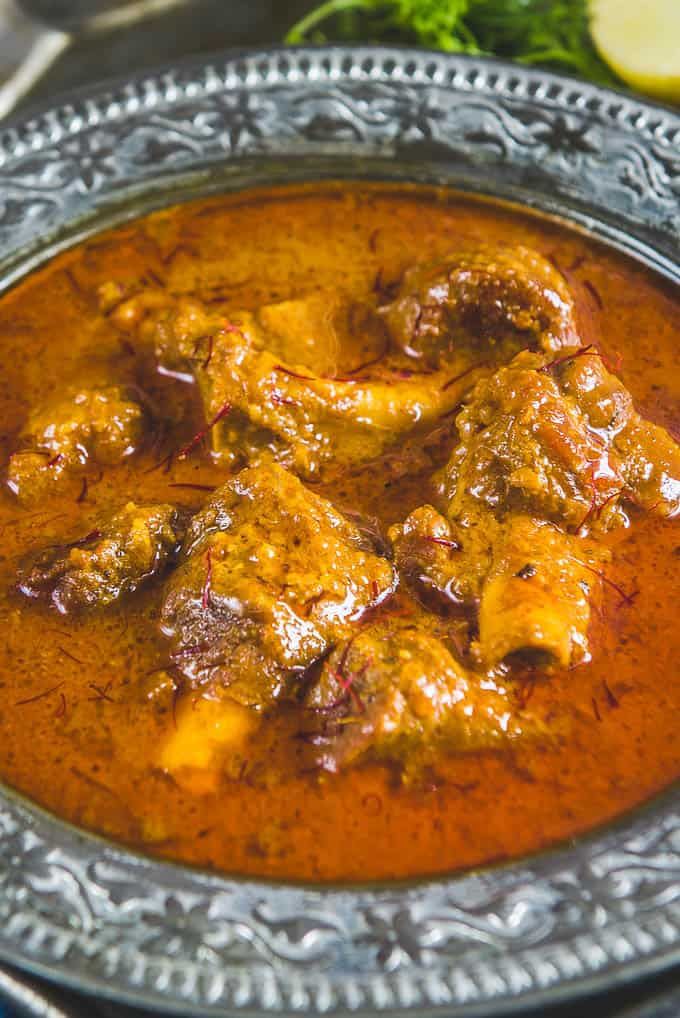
pixel 76 732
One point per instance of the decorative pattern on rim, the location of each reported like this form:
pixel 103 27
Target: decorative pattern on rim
pixel 150 933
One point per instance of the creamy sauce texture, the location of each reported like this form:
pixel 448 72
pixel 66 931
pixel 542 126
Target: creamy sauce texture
pixel 81 715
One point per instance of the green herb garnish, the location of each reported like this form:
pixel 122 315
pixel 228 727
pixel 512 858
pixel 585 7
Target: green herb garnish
pixel 549 32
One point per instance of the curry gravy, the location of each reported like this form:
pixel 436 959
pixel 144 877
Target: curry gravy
pixel 80 729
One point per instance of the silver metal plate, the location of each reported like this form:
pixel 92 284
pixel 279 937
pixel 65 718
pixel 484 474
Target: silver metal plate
pixel 598 913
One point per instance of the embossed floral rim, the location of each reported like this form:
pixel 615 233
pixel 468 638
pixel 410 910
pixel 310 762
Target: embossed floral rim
pixel 81 911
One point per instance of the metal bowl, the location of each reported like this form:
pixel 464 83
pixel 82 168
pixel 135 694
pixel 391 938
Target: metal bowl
pixel 600 912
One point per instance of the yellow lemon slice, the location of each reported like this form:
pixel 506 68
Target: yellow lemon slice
pixel 640 40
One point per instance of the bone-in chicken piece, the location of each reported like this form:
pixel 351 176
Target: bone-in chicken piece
pixel 271 577
pixel 494 298
pixel 560 439
pixel 550 451
pixel 396 689
pixel 649 457
pixel 528 582
pixel 444 564
pixel 316 329
pixel 105 425
pixel 269 380
pixel 534 603
pixel 526 446
pixel 128 550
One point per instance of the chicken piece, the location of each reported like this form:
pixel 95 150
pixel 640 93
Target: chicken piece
pixel 534 604
pixel 528 582
pixel 317 329
pixel 205 730
pixel 271 577
pixel 549 449
pixel 323 332
pixel 502 297
pixel 437 565
pixel 560 440
pixel 105 425
pixel 263 387
pixel 134 545
pixel 649 456
pixel 127 306
pixel 395 690
pixel 527 447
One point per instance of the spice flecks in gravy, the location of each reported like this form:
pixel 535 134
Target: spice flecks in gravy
pixel 90 706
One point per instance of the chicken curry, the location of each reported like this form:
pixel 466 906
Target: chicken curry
pixel 339 535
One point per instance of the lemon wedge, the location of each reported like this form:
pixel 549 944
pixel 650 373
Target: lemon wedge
pixel 640 40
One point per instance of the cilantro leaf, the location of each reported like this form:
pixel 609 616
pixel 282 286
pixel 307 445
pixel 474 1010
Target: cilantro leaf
pixel 553 33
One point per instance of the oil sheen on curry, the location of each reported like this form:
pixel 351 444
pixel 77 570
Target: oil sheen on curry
pixel 340 533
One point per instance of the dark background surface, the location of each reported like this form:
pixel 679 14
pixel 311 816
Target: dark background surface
pixel 199 28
